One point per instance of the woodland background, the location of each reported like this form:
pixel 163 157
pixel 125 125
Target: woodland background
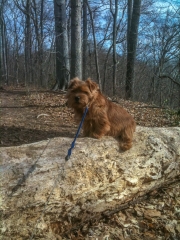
pixel 44 43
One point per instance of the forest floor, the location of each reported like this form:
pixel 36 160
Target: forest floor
pixel 31 116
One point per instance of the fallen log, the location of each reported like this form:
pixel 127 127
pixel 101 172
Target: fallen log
pixel 44 197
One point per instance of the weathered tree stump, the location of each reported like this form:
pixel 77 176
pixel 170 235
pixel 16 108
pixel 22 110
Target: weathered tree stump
pixel 43 197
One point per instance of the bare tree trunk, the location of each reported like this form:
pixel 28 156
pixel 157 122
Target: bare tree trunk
pixel 44 197
pixel 43 81
pixel 109 50
pixel 114 14
pixel 132 37
pixel 28 60
pixel 178 77
pixel 76 53
pixel 37 49
pixel 129 12
pixel 62 55
pixel 16 67
pixel 105 67
pixel 38 25
pixel 25 8
pixel 1 22
pixel 95 47
pixel 84 68
pixel 4 48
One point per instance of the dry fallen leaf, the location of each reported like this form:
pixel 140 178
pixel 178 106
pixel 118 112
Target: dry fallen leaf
pixel 151 213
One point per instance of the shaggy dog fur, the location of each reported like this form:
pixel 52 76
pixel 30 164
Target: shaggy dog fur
pixel 104 118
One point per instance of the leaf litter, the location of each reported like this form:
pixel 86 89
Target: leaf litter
pixel 31 116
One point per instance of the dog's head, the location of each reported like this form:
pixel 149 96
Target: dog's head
pixel 81 93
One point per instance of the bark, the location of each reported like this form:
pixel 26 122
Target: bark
pixel 84 69
pixel 114 52
pixel 132 37
pixel 62 55
pixel 76 57
pixel 130 4
pixel 168 77
pixel 105 67
pixel 16 54
pixel 43 81
pixel 1 22
pixel 28 60
pixel 95 46
pixel 114 14
pixel 38 26
pixel 4 57
pixel 44 197
pixel 26 8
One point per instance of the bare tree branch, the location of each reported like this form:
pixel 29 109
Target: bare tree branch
pixel 166 76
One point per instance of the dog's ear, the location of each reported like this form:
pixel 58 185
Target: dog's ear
pixel 74 82
pixel 92 85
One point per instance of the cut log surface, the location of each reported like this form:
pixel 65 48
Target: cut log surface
pixel 43 197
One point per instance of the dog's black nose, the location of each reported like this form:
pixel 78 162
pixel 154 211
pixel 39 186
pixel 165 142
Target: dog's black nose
pixel 77 98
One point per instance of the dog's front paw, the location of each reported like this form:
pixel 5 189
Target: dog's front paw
pixel 97 136
pixel 125 146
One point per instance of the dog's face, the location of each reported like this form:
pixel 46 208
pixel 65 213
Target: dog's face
pixel 81 93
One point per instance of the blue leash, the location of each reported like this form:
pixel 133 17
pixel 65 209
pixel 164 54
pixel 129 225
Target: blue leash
pixel 73 143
